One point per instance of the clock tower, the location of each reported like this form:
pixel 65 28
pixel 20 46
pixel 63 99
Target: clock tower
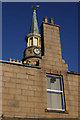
pixel 32 53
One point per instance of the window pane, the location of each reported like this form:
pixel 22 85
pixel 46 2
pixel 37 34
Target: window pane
pixel 35 41
pixel 31 42
pixel 54 84
pixel 55 100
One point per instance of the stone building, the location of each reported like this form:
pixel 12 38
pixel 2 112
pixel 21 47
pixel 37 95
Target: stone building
pixel 39 86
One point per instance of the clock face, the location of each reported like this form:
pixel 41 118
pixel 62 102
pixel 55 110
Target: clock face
pixel 36 51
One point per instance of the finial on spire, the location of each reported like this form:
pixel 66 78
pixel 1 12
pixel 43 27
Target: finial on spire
pixel 35 6
pixel 34 25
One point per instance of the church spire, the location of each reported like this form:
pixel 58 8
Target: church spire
pixel 34 25
pixel 32 53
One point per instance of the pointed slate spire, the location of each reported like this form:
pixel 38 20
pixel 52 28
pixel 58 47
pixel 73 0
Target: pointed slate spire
pixel 34 25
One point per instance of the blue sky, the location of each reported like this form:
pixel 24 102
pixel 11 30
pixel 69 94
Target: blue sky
pixel 16 21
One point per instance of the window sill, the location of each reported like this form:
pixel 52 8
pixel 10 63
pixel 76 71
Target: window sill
pixel 56 111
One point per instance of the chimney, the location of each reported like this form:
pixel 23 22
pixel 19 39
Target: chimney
pixel 10 59
pixel 45 19
pixel 13 60
pixel 51 20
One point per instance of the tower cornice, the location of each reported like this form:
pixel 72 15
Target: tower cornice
pixel 32 34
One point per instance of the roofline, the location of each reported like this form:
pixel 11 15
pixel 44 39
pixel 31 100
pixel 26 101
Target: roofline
pixel 73 73
pixel 19 64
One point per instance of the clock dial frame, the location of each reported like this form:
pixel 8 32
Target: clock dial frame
pixel 36 51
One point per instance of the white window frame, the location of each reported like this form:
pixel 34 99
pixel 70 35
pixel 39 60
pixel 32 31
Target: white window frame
pixel 57 91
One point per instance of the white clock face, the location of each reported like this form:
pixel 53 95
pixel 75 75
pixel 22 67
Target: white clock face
pixel 36 51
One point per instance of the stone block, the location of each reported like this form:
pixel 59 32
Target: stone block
pixel 13 103
pixel 30 105
pixel 29 82
pixel 5 90
pixel 6 78
pixel 14 91
pixel 39 110
pixel 10 74
pixel 21 98
pixel 23 70
pixel 37 83
pixel 1 73
pixel 16 70
pixel 31 72
pixel 26 110
pixel 7 96
pixel 1 84
pixel 7 68
pixel 5 102
pixel 23 86
pixel 34 99
pixel 33 78
pixel 10 85
pixel 22 104
pixel 28 92
pixel 22 76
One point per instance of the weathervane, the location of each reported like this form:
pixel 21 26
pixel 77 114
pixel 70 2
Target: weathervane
pixel 35 6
